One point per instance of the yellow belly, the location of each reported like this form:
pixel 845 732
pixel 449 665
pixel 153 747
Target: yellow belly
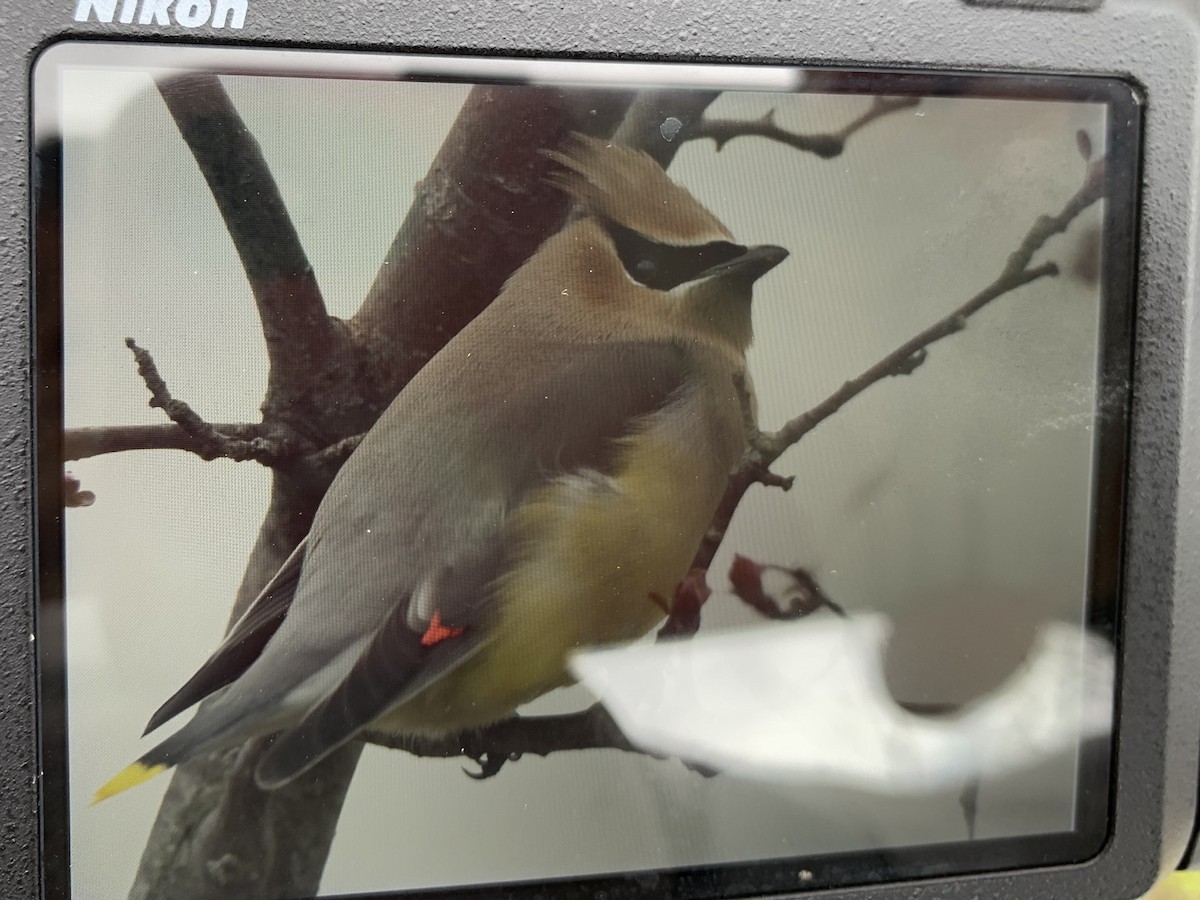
pixel 593 551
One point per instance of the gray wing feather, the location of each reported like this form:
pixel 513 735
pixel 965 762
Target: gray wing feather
pixel 242 645
pixel 428 492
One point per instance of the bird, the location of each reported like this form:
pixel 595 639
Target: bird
pixel 536 488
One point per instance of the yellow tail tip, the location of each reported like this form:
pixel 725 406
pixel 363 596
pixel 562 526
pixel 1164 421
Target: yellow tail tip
pixel 130 777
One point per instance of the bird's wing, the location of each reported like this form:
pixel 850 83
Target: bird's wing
pixel 242 644
pixel 396 664
pixel 419 515
pixel 413 532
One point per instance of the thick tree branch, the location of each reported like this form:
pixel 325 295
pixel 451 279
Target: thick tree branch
pixel 826 146
pixel 482 209
pixel 297 329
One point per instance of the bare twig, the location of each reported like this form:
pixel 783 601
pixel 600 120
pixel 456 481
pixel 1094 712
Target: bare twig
pixel 206 441
pixel 1016 274
pixel 338 452
pixel 826 146
pixel 82 443
pixel 900 361
pixel 766 448
pixel 745 395
pixel 236 440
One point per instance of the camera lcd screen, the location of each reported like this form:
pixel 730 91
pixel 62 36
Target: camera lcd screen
pixel 895 307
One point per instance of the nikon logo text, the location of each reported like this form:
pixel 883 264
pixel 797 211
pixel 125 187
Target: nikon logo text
pixel 188 13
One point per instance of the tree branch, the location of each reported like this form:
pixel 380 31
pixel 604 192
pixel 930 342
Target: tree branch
pixel 480 212
pixel 907 356
pixel 765 448
pixel 337 453
pixel 826 146
pixel 491 747
pixel 297 328
pixel 83 443
pixel 205 440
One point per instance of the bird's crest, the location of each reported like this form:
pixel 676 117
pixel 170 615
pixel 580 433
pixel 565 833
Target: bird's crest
pixel 630 188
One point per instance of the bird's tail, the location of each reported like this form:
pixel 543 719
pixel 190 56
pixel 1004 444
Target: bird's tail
pixel 130 776
pixel 214 726
pixel 174 750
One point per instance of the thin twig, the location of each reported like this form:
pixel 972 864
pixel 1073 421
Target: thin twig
pixel 771 446
pixel 1016 274
pixel 766 448
pixel 207 441
pixel 683 610
pixel 338 452
pixel 826 145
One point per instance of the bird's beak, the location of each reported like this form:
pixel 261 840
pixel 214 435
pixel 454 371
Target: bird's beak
pixel 750 266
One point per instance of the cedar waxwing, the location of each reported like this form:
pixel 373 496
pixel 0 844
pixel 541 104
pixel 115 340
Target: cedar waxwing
pixel 525 495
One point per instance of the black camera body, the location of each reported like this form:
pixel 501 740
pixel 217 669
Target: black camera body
pixel 1153 49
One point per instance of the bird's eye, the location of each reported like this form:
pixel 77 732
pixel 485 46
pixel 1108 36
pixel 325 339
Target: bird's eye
pixel 664 266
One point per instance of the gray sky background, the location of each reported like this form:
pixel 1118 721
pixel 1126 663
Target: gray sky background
pixel 959 494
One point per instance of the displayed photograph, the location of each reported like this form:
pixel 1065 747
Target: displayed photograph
pixel 563 478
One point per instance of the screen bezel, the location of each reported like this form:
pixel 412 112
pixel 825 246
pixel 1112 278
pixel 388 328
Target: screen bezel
pixel 844 870
pixel 1157 46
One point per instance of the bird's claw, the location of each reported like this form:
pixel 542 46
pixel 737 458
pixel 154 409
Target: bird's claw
pixel 489 765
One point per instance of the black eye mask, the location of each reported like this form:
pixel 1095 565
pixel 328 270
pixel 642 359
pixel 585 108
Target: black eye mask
pixel 663 266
